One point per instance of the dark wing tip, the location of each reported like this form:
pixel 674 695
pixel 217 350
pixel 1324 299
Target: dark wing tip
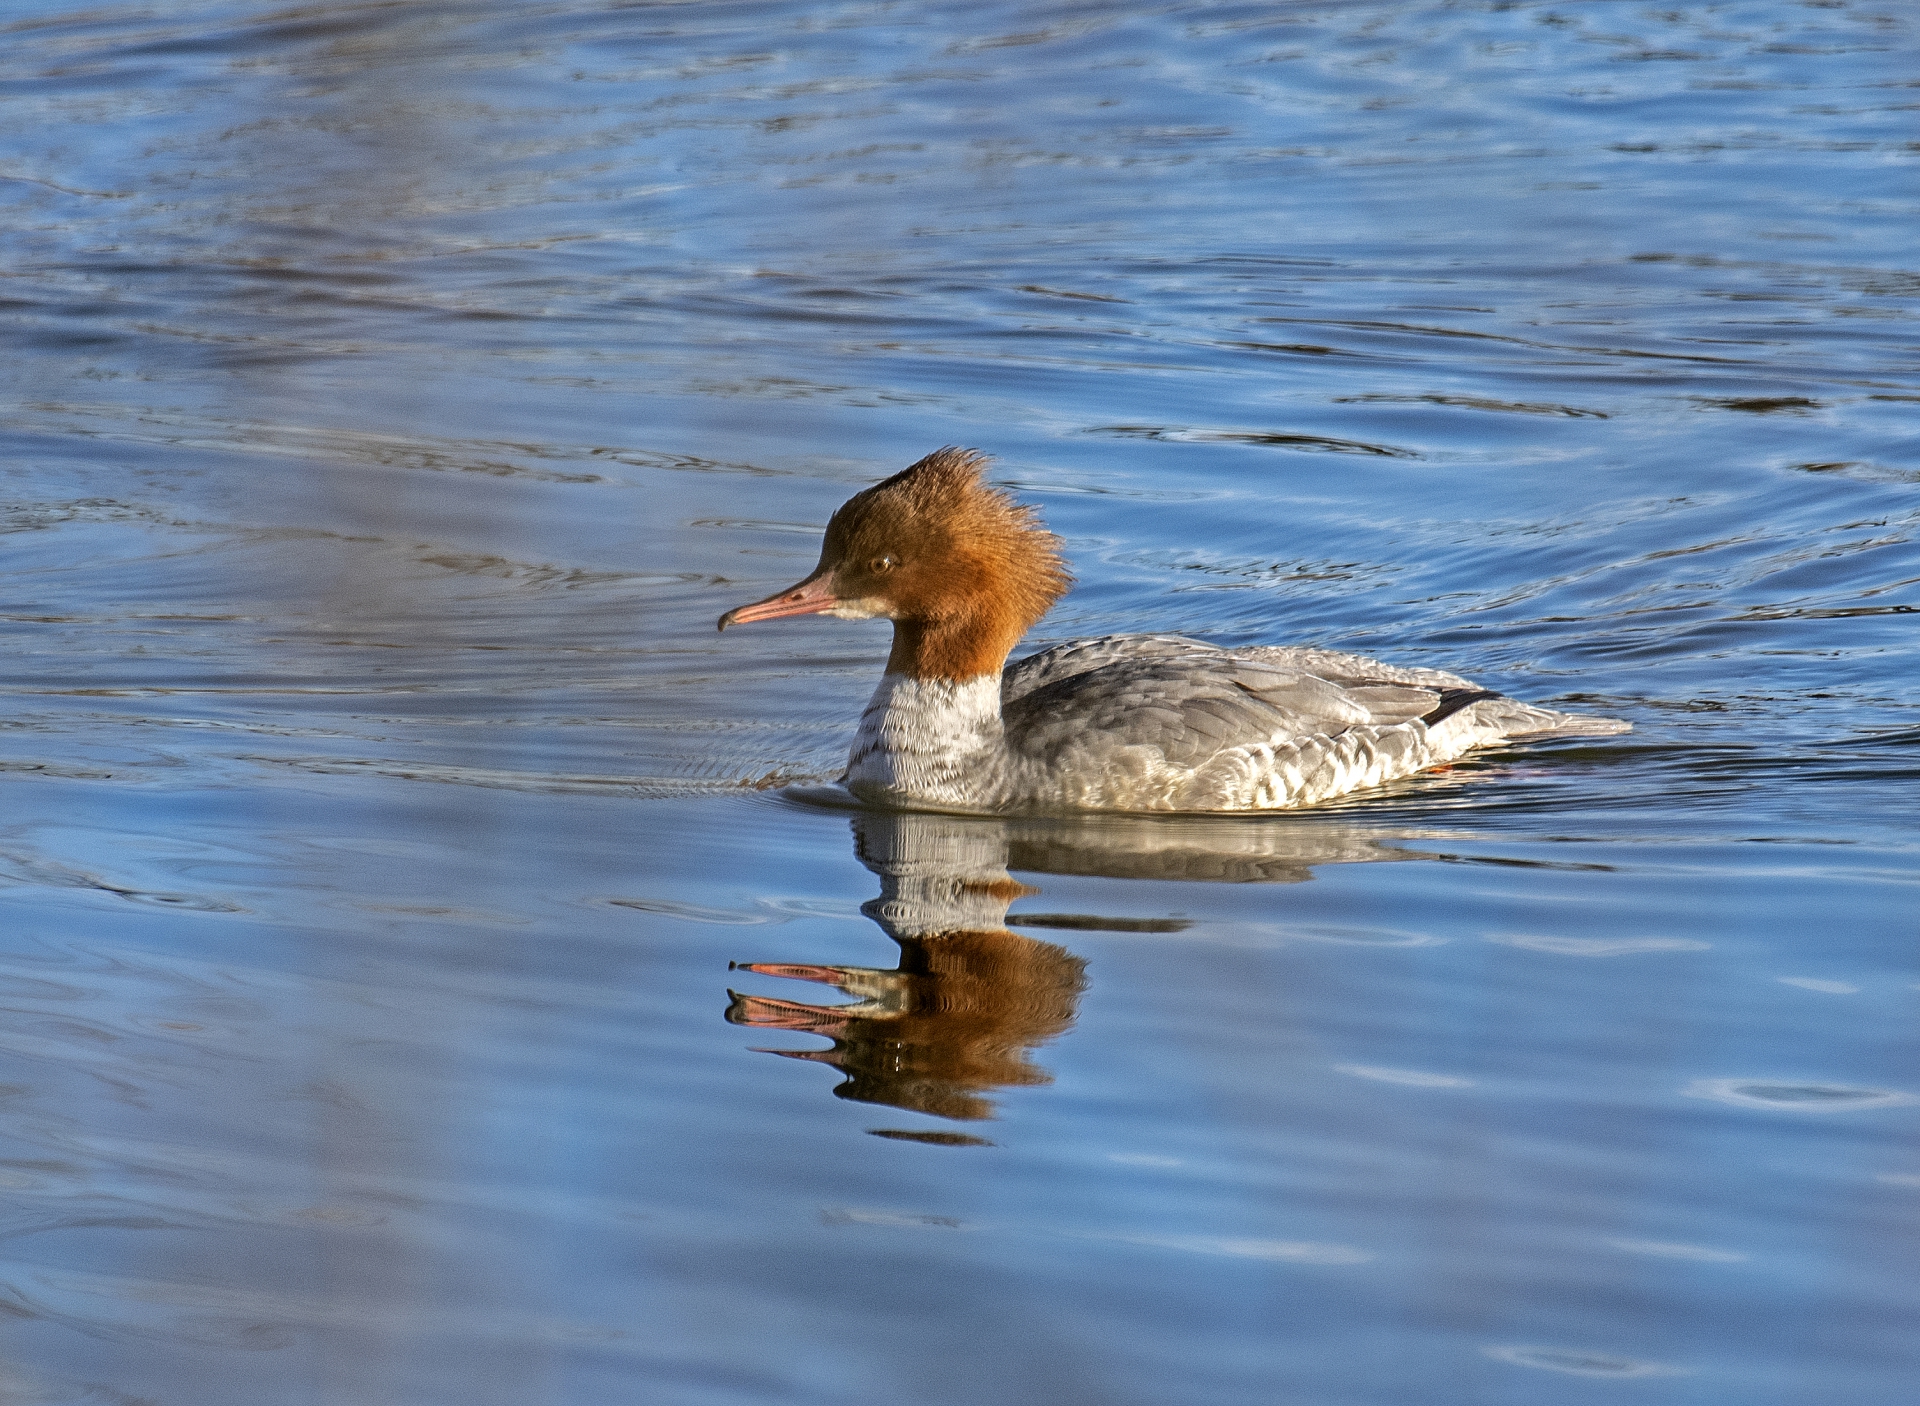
pixel 1452 700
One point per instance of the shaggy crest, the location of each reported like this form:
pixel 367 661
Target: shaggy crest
pixel 942 513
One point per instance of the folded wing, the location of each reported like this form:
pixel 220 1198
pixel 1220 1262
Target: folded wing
pixel 1192 699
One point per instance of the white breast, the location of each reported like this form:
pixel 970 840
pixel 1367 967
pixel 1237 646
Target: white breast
pixel 930 741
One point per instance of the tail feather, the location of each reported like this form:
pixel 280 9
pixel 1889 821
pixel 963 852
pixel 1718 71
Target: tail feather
pixel 1494 717
pixel 1575 725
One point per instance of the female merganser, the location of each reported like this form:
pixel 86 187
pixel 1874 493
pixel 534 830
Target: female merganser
pixel 1123 722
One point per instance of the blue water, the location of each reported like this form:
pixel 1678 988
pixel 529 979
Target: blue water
pixel 396 394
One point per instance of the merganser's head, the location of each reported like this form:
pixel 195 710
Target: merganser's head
pixel 960 568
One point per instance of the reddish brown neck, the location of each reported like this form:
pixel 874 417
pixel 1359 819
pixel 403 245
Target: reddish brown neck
pixel 957 647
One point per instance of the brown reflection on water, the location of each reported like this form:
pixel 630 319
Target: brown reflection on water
pixel 959 1016
pixel 969 1001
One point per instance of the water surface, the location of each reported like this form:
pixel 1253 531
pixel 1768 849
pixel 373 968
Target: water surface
pixel 398 392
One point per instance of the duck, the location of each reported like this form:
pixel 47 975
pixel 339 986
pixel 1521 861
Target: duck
pixel 1122 722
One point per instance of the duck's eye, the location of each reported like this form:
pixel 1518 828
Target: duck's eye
pixel 882 565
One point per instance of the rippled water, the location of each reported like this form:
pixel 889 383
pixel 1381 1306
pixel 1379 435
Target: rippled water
pixel 397 392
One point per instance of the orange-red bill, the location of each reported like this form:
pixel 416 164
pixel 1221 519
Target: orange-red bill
pixel 798 971
pixel 810 597
pixel 768 1013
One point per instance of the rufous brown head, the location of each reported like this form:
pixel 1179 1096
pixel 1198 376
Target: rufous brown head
pixel 959 567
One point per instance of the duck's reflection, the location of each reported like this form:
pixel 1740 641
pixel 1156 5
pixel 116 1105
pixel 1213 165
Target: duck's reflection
pixel 970 1000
